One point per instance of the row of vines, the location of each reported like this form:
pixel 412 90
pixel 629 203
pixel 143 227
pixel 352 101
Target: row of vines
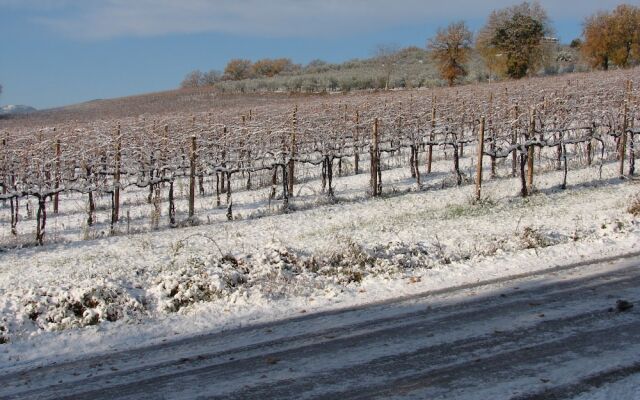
pixel 528 125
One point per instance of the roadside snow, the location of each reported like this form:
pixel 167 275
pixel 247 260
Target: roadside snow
pixel 628 388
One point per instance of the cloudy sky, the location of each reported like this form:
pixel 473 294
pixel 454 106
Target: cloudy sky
pixel 57 52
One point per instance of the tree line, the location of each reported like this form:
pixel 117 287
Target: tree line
pixel 515 42
pixel 239 69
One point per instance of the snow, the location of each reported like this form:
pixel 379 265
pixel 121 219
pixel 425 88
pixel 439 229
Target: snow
pixel 78 296
pixel 628 388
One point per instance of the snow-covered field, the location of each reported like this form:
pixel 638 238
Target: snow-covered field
pixel 113 292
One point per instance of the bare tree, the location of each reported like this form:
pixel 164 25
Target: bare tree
pixel 211 78
pixel 386 56
pixel 192 80
pixel 450 49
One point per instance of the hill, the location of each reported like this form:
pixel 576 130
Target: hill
pixel 16 109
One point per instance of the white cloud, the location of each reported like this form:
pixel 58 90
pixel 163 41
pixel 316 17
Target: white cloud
pixel 92 19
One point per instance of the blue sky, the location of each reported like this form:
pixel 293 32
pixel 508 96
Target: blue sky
pixel 57 52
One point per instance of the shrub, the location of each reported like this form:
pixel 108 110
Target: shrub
pixel 533 239
pixel 634 207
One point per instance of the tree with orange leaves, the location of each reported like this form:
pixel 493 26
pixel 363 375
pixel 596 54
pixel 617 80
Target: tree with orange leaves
pixel 269 68
pixel 613 37
pixel 238 69
pixel 450 49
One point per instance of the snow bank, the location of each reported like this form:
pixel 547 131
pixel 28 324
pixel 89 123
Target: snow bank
pixel 193 276
pixel 55 309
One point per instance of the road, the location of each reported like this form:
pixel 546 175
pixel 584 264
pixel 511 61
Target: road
pixel 546 335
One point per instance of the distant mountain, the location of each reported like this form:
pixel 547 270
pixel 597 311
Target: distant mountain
pixel 16 109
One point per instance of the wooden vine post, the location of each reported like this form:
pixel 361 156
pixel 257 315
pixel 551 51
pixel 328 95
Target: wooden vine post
pixel 356 148
pixel 165 161
pixel 245 154
pixel 623 139
pixel 345 120
pixel 530 150
pixel 115 214
pixel 629 124
pixel 431 136
pixel 480 156
pixel 224 164
pixel 5 167
pixel 461 142
pixel 493 138
pixel 56 196
pixel 192 177
pixel 291 174
pixel 285 188
pixel 514 141
pixel 92 205
pixel 632 150
pixel 545 107
pixel 375 162
pixel 172 206
pixel 563 146
pixel 5 173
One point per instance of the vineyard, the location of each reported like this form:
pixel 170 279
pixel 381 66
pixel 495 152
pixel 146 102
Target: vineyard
pixel 171 169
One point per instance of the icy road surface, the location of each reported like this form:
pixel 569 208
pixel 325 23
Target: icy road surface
pixel 551 334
